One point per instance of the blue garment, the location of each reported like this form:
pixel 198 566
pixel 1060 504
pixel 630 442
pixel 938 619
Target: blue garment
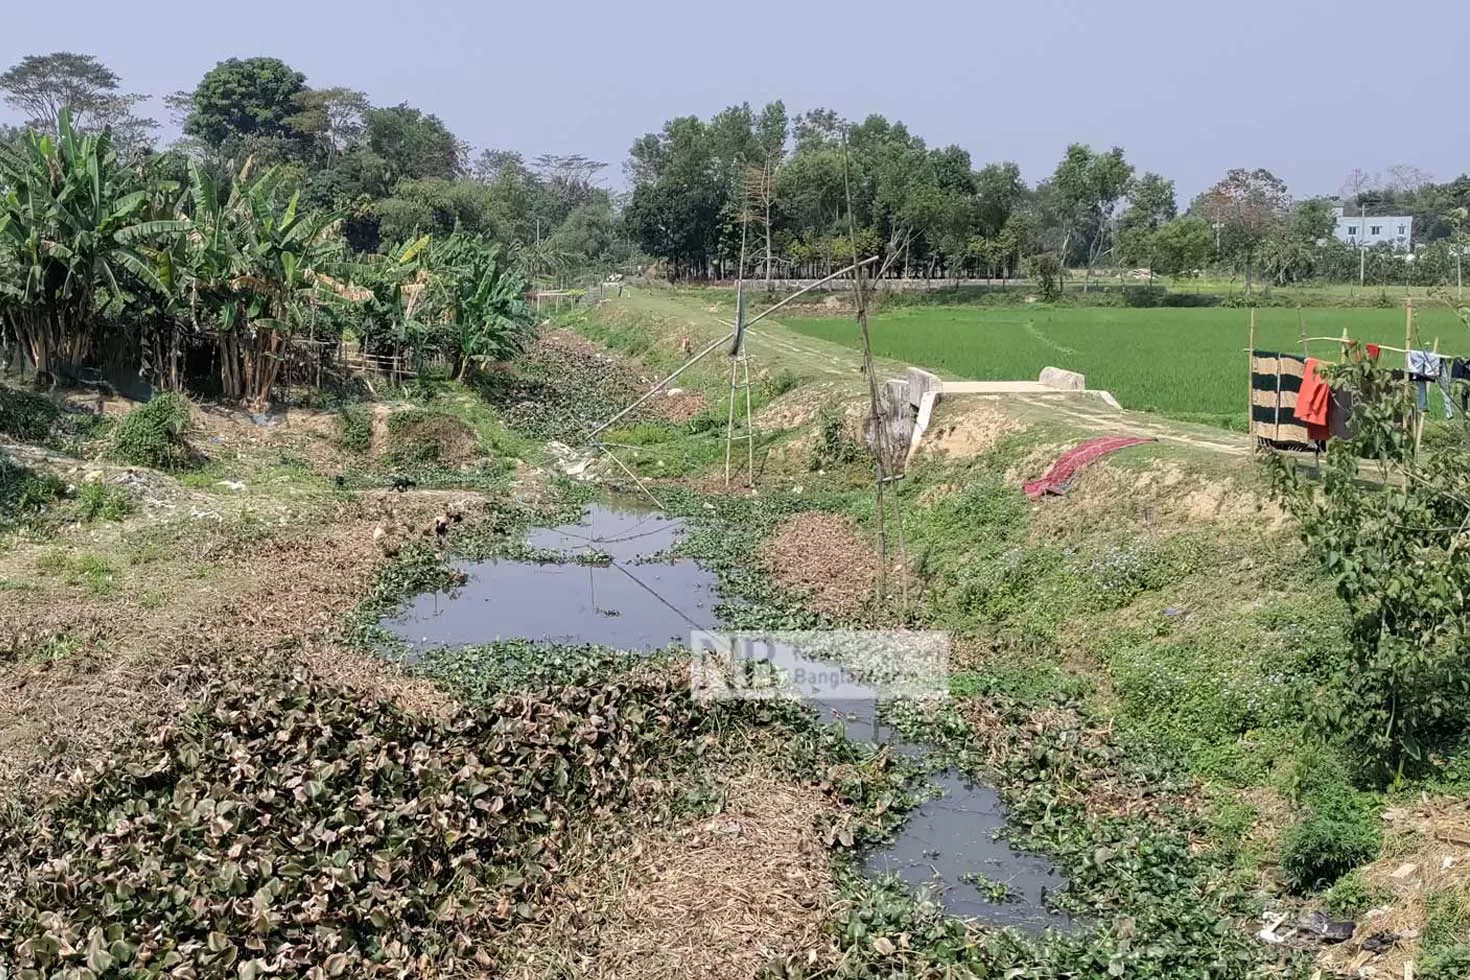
pixel 1424 365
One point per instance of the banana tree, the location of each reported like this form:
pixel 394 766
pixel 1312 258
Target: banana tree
pixel 68 214
pixel 484 311
pixel 285 255
pixel 251 270
pixel 397 315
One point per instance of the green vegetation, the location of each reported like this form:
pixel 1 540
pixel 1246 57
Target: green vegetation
pixel 26 416
pixel 241 264
pixel 91 572
pixel 97 501
pixel 1398 696
pixel 1188 364
pixel 834 445
pixel 929 212
pixel 425 437
pixel 1339 832
pixel 355 429
pixel 25 494
pixel 463 819
pixel 153 434
pixel 1351 896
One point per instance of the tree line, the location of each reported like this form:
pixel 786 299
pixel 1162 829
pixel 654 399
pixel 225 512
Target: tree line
pixel 393 172
pixel 793 194
pixel 289 211
pixel 286 213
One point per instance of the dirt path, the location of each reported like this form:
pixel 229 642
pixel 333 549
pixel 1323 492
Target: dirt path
pixel 769 341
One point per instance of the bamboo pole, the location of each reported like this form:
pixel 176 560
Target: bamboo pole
pixel 749 426
pixel 657 387
pixel 602 447
pixel 1250 387
pixel 730 421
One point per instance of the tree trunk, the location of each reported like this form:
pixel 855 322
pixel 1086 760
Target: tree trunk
pixel 232 387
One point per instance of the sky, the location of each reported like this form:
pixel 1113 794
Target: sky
pixel 1309 89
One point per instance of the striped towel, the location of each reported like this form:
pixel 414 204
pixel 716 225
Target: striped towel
pixel 1276 379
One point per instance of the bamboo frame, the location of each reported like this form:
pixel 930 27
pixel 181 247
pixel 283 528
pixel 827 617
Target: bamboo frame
pixel 1250 387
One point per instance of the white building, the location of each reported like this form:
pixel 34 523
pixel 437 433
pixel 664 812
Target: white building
pixel 1371 230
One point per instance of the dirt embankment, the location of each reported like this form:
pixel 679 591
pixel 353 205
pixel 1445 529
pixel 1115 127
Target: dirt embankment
pixel 97 631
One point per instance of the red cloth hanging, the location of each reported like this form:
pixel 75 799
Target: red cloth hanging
pixel 1074 459
pixel 1312 401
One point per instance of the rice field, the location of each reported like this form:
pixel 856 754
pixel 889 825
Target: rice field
pixel 1185 363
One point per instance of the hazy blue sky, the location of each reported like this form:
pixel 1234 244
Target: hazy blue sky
pixel 1307 88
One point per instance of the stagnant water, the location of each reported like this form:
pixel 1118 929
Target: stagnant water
pixel 645 600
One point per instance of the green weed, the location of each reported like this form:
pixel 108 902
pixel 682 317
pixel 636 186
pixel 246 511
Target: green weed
pixel 98 501
pixel 1351 896
pixel 92 572
pixel 1340 831
pixel 834 446
pixel 152 435
pixel 1446 921
pixel 354 429
pixel 25 495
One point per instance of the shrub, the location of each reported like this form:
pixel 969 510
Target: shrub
pixel 1352 896
pixel 834 446
pixel 1397 696
pixel 779 384
pixel 1144 296
pixel 423 437
pixel 1339 832
pixel 152 435
pixel 1046 271
pixel 98 501
pixel 26 416
pixel 25 493
pixel 355 429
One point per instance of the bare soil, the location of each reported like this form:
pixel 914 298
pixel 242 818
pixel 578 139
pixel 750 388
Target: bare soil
pixel 967 426
pixel 1426 852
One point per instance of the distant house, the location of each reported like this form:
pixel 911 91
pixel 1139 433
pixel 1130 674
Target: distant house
pixel 1369 230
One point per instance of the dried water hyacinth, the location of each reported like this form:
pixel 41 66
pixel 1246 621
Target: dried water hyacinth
pixel 285 828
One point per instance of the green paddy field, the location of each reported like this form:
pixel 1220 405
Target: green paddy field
pixel 1184 363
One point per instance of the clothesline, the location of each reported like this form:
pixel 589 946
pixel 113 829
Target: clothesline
pixel 1347 340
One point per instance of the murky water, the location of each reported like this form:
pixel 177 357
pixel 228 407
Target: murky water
pixel 946 840
pixel 635 603
pixel 644 601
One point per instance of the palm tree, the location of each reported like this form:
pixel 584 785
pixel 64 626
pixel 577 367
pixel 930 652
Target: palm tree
pixel 67 216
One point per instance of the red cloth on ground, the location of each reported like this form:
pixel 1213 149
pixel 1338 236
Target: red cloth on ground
pixel 1312 401
pixel 1072 460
